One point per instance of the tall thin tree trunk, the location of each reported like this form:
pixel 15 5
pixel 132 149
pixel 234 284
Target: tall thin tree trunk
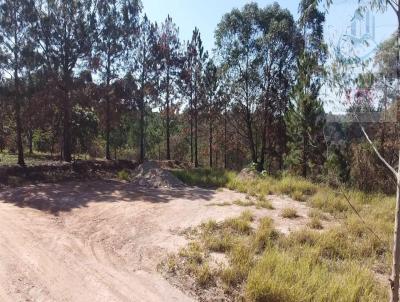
pixel 67 156
pixel 168 119
pixel 191 123
pixel 142 109
pixel 108 126
pixel 266 125
pixel 394 280
pixel 304 155
pixel 142 150
pixel 30 140
pixel 196 159
pixel 17 107
pixel 383 127
pixel 20 148
pixel 210 139
pixel 248 121
pixel 108 114
pixel 225 141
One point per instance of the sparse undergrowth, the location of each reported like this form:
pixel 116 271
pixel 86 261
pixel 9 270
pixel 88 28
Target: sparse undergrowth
pixel 124 175
pixel 289 213
pixel 338 264
pixel 263 265
pixel 205 177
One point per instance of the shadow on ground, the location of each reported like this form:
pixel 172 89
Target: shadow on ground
pixel 63 197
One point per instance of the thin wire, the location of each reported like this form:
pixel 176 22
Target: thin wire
pixel 359 215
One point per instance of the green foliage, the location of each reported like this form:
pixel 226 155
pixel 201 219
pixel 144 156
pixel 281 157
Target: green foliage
pixel 124 175
pixel 305 119
pixel 42 140
pixel 84 128
pixel 205 177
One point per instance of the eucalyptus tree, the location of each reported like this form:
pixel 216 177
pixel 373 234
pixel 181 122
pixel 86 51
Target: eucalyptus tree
pixel 237 43
pixel 65 34
pixel 278 50
pixel 116 26
pixel 169 60
pixel 257 48
pixel 17 19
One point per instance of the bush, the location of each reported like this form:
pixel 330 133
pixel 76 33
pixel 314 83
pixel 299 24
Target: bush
pixel 315 223
pixel 123 175
pixel 289 213
pixel 205 177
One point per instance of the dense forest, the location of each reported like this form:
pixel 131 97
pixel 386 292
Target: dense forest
pixel 99 79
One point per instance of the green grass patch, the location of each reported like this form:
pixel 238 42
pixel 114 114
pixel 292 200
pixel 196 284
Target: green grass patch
pixel 266 266
pixel 337 264
pixel 281 276
pixel 205 177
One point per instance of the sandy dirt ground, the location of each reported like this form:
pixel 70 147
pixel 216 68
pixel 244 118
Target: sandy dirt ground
pixel 102 240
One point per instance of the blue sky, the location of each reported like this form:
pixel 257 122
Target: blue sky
pixel 206 14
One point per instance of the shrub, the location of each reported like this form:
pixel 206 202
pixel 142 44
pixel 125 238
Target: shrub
pixel 203 275
pixel 289 213
pixel 264 235
pixel 123 175
pixel 205 177
pixel 238 225
pixel 316 213
pixel 315 223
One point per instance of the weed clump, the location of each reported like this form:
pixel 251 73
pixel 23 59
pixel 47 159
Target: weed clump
pixel 246 203
pixel 307 265
pixel 315 223
pixel 289 213
pixel 124 175
pixel 205 177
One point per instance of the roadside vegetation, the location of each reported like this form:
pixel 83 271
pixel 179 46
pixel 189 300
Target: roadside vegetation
pixel 348 262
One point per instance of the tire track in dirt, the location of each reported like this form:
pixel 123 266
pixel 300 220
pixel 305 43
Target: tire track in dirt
pixel 100 240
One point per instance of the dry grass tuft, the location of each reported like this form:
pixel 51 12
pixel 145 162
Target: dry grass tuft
pixel 289 213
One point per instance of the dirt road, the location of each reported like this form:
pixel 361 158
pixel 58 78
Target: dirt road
pixel 96 241
pixel 102 240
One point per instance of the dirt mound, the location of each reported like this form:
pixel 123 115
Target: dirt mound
pixel 247 174
pixel 150 174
